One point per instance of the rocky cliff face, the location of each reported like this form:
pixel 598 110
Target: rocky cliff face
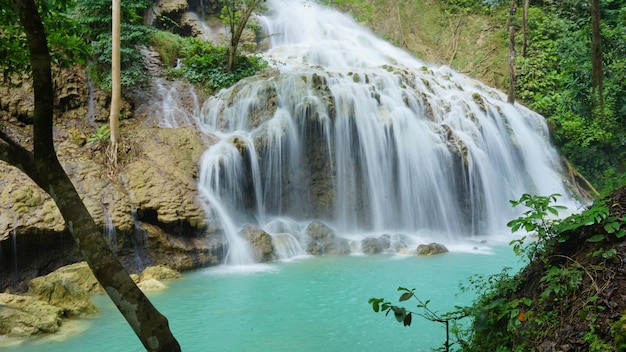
pixel 149 209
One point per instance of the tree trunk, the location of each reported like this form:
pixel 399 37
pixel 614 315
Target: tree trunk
pixel 116 87
pixel 43 167
pixel 235 36
pixel 596 56
pixel 512 75
pixel 525 27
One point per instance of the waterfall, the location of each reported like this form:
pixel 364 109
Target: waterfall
pixel 16 274
pixel 139 241
pixel 91 105
pixel 172 114
pixel 221 174
pixel 358 133
pixel 109 232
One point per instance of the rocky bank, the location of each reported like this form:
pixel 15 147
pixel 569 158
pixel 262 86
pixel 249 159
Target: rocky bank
pixel 149 208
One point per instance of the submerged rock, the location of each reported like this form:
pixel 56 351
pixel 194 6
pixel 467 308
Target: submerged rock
pixel 431 249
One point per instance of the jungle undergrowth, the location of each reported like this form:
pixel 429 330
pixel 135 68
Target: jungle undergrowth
pixel 561 299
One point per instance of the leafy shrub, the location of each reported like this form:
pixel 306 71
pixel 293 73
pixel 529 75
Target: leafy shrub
pixel 63 34
pixel 206 64
pixel 518 312
pixel 96 16
pixel 168 45
pixel 554 79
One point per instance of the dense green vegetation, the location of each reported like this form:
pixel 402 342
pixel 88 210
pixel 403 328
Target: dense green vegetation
pixel 64 37
pixel 207 64
pixel 555 79
pixel 80 32
pixel 95 16
pixel 566 296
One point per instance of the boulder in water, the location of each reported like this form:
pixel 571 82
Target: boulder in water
pixel 67 288
pixel 22 316
pixel 261 243
pixel 151 279
pixel 151 285
pixel 431 249
pixel 324 241
pixel 372 245
pixel 160 273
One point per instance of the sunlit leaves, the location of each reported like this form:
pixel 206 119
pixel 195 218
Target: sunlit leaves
pixel 95 16
pixel 63 34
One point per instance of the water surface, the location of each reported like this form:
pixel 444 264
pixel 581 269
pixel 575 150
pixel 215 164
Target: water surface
pixel 309 304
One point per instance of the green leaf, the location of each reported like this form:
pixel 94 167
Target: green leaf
pixel 399 313
pixel 406 296
pixel 611 227
pixel 595 238
pixel 407 320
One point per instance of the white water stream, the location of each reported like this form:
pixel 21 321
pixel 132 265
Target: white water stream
pixel 362 135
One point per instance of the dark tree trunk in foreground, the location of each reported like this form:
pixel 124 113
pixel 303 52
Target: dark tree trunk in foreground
pixel 43 167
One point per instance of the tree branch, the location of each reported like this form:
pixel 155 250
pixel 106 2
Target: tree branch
pixel 16 155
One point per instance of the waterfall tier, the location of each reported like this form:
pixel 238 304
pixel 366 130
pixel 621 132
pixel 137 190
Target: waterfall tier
pixel 358 133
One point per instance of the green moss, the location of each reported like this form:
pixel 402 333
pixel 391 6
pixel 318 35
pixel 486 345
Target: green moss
pixel 168 45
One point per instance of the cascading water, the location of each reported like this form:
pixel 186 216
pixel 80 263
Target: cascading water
pixel 16 275
pixel 139 241
pixel 362 135
pixel 171 114
pixel 109 231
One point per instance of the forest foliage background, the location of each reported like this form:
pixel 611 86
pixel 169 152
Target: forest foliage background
pixel 553 74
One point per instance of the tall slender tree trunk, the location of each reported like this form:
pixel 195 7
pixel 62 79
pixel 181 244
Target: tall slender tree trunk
pixel 43 167
pixel 116 87
pixel 596 56
pixel 525 27
pixel 512 75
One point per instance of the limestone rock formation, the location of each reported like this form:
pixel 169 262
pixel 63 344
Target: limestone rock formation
pixel 324 241
pixel 151 285
pixel 150 210
pixel 159 272
pixel 151 279
pixel 62 289
pixel 166 13
pixel 261 243
pixel 431 249
pixel 22 316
